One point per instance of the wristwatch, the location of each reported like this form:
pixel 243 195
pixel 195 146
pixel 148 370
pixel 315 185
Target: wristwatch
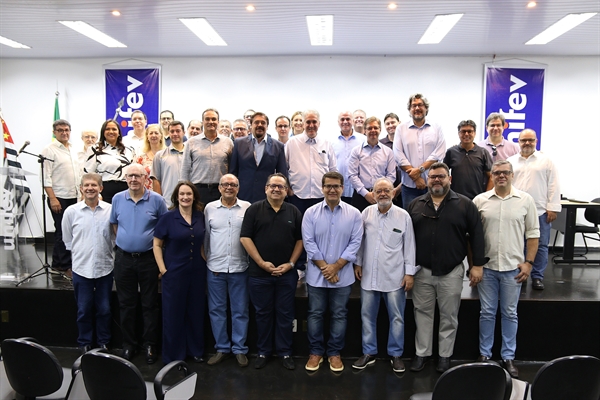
pixel 291 263
pixel 529 261
pixel 421 169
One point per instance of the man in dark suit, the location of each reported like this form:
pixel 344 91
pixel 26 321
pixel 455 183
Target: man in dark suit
pixel 254 158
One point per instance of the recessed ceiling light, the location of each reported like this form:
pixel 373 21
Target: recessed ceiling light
pixel 320 29
pixel 392 6
pixel 250 7
pixel 12 43
pixel 116 13
pixel 93 33
pixel 201 28
pixel 531 4
pixel 439 28
pixel 567 23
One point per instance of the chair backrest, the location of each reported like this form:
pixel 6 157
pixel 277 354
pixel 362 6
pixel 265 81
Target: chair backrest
pixel 593 214
pixel 571 377
pixel 77 387
pixel 32 370
pixel 185 388
pixel 108 377
pixel 474 381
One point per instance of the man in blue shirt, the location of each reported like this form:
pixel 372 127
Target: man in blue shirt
pixel 332 231
pixel 134 215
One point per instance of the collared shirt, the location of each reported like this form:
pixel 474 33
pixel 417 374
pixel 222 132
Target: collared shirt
pixel 468 169
pixel 166 168
pixel 136 221
pixel 331 235
pixel 342 147
pixel 109 162
pixel 414 145
pixel 224 252
pixel 390 144
pixel 308 160
pixel 259 148
pixel 135 142
pixel 507 222
pixel 387 251
pixel 274 233
pixel 62 175
pixel 503 149
pixel 367 164
pixel 88 235
pixel 205 161
pixel 442 234
pixel 538 176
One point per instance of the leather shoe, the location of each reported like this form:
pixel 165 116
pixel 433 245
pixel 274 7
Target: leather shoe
pixel 364 361
pixel 443 364
pixel 397 364
pixel 242 360
pixel 217 358
pixel 418 363
pixel 261 361
pixel 151 354
pixel 511 368
pixel 198 359
pixel 482 358
pixel 537 284
pixel 127 353
pixel 85 349
pixel 104 348
pixel 288 362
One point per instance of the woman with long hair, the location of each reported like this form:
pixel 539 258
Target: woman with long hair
pixel 153 143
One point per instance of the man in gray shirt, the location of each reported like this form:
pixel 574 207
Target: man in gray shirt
pixel 166 166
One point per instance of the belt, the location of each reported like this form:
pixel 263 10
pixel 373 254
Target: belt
pixel 206 185
pixel 134 255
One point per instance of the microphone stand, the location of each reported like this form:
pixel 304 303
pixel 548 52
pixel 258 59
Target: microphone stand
pixel 45 269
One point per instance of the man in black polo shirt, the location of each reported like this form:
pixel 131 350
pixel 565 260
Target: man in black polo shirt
pixel 271 234
pixel 444 222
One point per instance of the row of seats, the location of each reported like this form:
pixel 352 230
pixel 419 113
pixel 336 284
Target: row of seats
pixel 34 371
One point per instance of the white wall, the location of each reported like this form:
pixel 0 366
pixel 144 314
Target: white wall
pixel 282 85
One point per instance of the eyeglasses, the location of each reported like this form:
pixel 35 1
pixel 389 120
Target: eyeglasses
pixel 505 173
pixel 240 129
pixel 134 176
pixel 274 186
pixel 466 132
pixel 494 151
pixel 229 185
pixel 436 177
pixel 527 140
pixel 90 137
pixel 329 187
pixel 283 126
pixel 420 105
pixel 66 130
pixel 380 191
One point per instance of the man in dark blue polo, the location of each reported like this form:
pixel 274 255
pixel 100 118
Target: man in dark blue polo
pixel 134 215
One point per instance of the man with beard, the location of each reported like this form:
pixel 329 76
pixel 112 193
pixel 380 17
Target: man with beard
pixel 343 146
pixel 254 158
pixel 418 144
pixel 385 265
pixel 537 175
pixel 445 223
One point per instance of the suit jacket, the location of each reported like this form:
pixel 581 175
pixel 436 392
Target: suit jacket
pixel 252 177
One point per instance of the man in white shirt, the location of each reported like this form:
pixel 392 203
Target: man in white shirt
pixel 537 175
pixel 61 182
pixel 135 138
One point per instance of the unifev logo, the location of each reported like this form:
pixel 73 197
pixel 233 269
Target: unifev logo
pixel 128 90
pixel 518 94
pixel 9 223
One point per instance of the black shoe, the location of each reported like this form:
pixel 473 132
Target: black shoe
pixel 364 361
pixel 537 284
pixel 127 353
pixel 151 354
pixel 104 348
pixel 510 367
pixel 198 360
pixel 288 362
pixel 482 358
pixel 443 364
pixel 397 364
pixel 261 361
pixel 418 363
pixel 85 349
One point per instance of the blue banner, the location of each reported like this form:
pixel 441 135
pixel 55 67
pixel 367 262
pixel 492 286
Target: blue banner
pixel 128 90
pixel 518 94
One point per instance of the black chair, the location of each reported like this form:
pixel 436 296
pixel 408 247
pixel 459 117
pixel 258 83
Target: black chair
pixel 473 381
pixel 591 215
pixel 571 377
pixel 108 377
pixel 32 370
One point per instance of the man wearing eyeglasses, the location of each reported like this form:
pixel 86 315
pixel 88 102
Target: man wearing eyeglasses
pixel 509 216
pixel 271 234
pixel 166 117
pixel 227 276
pixel 445 223
pixel 498 147
pixel 332 231
pixel 282 126
pixel 133 217
pixel 537 175
pixel 240 129
pixel 418 143
pixel 255 157
pixel 61 177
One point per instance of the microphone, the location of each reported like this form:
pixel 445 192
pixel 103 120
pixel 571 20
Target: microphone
pixel 27 143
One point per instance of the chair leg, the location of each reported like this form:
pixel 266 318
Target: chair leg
pixel 554 245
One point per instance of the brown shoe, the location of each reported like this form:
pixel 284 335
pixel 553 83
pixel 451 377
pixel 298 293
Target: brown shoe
pixel 314 362
pixel 335 364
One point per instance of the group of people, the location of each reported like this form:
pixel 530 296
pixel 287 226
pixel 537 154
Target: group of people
pixel 242 220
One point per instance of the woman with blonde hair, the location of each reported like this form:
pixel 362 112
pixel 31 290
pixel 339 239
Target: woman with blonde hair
pixel 153 143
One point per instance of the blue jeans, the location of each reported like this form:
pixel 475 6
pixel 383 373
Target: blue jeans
pixel 541 257
pixel 500 287
pixel 394 302
pixel 409 194
pixel 90 293
pixel 235 285
pixel 319 300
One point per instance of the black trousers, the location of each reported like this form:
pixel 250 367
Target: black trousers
pixel 110 188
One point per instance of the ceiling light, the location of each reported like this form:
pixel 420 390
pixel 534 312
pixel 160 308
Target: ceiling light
pixel 439 27
pixel 201 28
pixel 320 29
pixel 116 13
pixel 392 6
pixel 12 43
pixel 93 33
pixel 564 25
pixel 250 7
pixel 531 4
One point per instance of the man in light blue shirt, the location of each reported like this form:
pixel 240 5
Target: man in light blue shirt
pixel 342 146
pixel 332 231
